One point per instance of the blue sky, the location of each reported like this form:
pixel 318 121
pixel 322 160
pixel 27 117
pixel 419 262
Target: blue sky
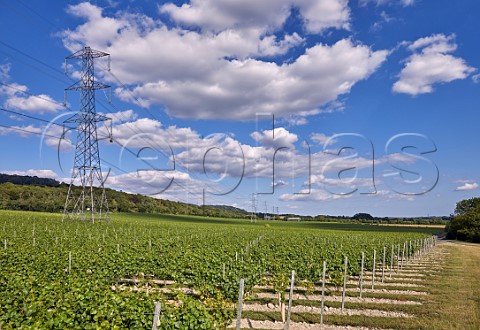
pixel 309 107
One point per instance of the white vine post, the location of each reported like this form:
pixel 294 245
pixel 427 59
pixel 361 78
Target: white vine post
pixel 240 304
pixel 344 283
pixel 398 258
pixel 409 248
pixel 414 249
pixel 290 297
pixel 361 273
pixel 323 293
pixel 383 263
pixel 156 315
pixel 403 254
pixel 373 271
pixel 391 260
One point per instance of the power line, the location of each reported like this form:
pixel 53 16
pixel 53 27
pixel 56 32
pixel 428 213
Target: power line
pixel 136 130
pixel 118 81
pixel 22 13
pixel 14 128
pixel 61 138
pixel 243 198
pixel 102 159
pixel 39 15
pixel 39 97
pixel 32 66
pixel 31 57
pixel 33 95
pixel 29 132
pixel 31 117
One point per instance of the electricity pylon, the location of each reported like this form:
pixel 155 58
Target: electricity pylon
pixel 86 195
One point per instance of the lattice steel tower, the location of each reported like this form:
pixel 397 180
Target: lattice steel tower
pixel 86 197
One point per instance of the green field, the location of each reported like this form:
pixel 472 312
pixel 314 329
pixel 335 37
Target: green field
pixel 78 275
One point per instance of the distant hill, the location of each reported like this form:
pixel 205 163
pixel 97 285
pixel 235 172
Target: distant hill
pixel 29 193
pixel 228 208
pixel 28 180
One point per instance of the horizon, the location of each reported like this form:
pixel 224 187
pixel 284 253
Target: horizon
pixel 246 211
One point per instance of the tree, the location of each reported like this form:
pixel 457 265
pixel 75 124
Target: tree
pixel 362 216
pixel 465 224
pixel 468 205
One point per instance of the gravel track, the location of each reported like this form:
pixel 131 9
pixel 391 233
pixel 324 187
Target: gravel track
pixel 365 289
pixel 253 324
pixel 297 296
pixel 328 311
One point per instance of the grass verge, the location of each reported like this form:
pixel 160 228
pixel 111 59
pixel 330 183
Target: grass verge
pixel 456 293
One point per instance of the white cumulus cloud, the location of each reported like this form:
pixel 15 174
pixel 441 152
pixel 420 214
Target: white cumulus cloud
pixel 33 103
pixel 222 71
pixel 467 186
pixel 430 64
pixel 265 15
pixel 17 96
pixel 404 3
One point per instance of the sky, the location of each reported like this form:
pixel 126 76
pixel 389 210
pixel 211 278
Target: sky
pixel 283 106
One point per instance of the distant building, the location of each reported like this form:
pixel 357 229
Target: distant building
pixel 294 219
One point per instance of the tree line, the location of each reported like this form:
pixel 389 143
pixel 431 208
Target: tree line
pixel 465 224
pixel 28 180
pixel 46 198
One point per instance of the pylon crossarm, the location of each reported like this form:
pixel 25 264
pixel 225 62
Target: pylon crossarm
pixel 79 86
pixel 87 52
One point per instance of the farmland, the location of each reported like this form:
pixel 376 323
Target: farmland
pixel 77 275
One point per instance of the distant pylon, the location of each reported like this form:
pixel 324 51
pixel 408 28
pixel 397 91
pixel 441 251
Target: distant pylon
pixel 86 197
pixel 254 209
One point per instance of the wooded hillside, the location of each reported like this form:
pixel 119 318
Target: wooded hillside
pixel 48 195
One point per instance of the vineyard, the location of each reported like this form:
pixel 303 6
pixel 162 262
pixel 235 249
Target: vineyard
pixel 76 275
